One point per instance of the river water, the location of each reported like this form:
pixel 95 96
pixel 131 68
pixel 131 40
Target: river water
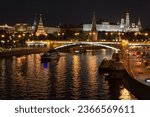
pixel 72 76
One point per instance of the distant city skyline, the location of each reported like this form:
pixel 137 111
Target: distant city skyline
pixel 72 11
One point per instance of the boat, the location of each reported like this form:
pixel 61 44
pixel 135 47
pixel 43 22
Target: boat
pixel 48 56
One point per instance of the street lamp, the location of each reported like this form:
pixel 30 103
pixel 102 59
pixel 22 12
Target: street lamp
pixel 2 41
pixel 3 36
pixel 135 34
pixel 58 34
pixel 90 33
pixel 76 35
pixel 146 35
pixel 19 36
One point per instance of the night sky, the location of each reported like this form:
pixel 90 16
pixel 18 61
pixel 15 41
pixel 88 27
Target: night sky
pixel 73 11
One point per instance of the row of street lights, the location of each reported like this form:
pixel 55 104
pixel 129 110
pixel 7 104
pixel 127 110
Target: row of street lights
pixel 21 38
pixel 13 40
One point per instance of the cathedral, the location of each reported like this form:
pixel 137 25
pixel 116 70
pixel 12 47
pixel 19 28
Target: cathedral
pixel 125 25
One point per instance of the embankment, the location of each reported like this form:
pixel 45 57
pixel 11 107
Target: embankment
pixel 21 51
pixel 137 88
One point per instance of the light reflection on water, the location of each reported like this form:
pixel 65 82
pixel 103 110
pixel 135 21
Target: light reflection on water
pixel 73 76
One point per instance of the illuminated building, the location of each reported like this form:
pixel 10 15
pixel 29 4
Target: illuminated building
pixel 50 30
pixel 34 27
pixel 139 24
pixel 7 28
pixel 40 28
pixel 21 28
pixel 94 32
pixel 124 26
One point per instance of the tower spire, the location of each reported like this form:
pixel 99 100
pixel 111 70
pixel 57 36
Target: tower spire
pixel 40 21
pixel 139 24
pixel 40 28
pixel 94 33
pixel 127 19
pixel 35 20
pixel 94 23
pixel 34 27
pixel 122 23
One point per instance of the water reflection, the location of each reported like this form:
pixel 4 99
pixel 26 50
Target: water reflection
pixel 76 76
pixel 92 75
pixel 60 77
pixel 72 76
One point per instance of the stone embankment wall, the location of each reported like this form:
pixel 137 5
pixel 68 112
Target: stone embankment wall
pixel 21 51
pixel 137 88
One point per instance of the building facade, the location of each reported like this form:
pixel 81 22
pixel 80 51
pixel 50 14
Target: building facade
pixel 40 28
pixel 21 28
pixel 51 30
pixel 7 28
pixel 125 25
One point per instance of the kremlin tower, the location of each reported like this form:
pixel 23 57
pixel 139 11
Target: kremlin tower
pixel 94 32
pixel 34 27
pixel 127 25
pixel 139 24
pixel 40 28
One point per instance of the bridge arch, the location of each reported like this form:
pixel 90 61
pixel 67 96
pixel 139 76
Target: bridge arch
pixel 86 43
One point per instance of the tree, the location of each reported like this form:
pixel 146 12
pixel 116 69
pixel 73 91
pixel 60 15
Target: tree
pixel 41 37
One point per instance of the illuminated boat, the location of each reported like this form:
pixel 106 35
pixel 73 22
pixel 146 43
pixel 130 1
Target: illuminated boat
pixel 48 56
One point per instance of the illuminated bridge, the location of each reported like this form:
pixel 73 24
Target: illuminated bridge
pixel 89 43
pixel 63 44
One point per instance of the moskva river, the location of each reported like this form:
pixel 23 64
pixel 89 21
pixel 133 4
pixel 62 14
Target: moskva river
pixel 72 76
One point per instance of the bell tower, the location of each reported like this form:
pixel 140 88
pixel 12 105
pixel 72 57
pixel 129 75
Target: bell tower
pixel 127 20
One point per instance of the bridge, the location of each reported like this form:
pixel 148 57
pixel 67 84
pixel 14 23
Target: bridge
pixel 64 44
pixel 88 43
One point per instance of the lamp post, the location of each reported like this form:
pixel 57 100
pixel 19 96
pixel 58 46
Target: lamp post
pixel 146 36
pixel 3 36
pixel 76 36
pixel 135 35
pixel 58 35
pixel 106 35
